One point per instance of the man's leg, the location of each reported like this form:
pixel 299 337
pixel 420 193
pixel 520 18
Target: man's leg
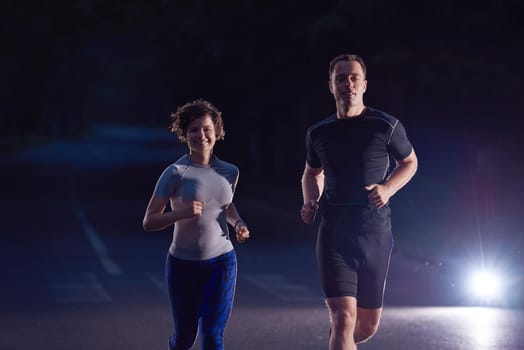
pixel 367 323
pixel 375 249
pixel 342 321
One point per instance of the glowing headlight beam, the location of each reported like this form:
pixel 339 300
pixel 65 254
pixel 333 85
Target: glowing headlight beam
pixel 486 284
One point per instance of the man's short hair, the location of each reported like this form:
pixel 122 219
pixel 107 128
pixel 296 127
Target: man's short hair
pixel 348 58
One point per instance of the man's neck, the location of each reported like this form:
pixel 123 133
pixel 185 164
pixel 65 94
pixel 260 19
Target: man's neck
pixel 350 111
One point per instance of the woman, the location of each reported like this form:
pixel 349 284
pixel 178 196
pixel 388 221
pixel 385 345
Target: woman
pixel 201 265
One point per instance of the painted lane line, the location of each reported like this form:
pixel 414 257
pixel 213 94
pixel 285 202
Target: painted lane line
pixel 98 245
pixel 82 288
pixel 158 282
pixel 281 287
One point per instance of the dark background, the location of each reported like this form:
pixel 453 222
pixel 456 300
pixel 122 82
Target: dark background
pixel 452 72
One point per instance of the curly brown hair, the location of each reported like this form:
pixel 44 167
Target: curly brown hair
pixel 190 111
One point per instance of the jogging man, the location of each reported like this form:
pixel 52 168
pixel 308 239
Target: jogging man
pixel 349 158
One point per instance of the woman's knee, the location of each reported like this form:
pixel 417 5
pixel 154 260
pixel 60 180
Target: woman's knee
pixel 212 341
pixel 181 342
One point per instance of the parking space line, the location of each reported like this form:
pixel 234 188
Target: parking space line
pixel 158 282
pixel 98 245
pixel 81 288
pixel 281 287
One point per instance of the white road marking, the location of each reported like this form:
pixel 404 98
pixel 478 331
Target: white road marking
pixel 278 286
pixel 281 287
pixel 80 289
pixel 98 245
pixel 158 282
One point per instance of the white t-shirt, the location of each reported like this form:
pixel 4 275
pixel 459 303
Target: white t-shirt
pixel 206 236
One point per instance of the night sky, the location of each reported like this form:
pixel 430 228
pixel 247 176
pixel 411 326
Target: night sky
pixel 452 72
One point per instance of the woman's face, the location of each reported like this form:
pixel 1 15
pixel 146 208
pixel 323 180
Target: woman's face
pixel 201 135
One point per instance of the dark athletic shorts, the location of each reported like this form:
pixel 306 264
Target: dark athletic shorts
pixel 353 249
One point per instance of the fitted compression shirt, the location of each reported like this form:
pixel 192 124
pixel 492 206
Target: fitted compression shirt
pixel 206 236
pixel 355 152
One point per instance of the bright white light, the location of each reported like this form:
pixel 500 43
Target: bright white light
pixel 486 284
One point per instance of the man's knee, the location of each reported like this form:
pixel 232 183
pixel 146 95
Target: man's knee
pixel 343 319
pixel 343 313
pixel 367 323
pixel 365 330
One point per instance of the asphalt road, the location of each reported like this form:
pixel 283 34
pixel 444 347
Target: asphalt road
pixel 80 273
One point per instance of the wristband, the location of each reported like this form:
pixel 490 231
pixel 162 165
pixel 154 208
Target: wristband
pixel 237 222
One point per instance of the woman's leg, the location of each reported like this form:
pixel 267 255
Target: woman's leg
pixel 218 300
pixel 185 301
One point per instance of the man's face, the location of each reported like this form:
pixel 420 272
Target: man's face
pixel 348 83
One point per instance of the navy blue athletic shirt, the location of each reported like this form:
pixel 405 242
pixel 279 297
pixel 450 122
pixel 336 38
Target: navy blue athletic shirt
pixel 355 152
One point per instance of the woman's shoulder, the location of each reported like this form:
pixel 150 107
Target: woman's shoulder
pixel 222 164
pixel 178 166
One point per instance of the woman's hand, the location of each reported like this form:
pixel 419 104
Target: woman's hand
pixel 242 232
pixel 156 219
pixel 192 209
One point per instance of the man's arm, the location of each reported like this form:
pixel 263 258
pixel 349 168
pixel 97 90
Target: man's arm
pixel 404 171
pixel 312 188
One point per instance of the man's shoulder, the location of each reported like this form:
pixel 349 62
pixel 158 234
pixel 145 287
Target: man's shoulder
pixel 325 121
pixel 378 114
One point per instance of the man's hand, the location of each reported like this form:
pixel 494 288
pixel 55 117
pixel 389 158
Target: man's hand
pixel 308 211
pixel 379 195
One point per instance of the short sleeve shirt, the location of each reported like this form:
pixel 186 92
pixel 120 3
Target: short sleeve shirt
pixel 206 236
pixel 355 152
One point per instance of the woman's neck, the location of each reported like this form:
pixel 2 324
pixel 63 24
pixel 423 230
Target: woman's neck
pixel 200 158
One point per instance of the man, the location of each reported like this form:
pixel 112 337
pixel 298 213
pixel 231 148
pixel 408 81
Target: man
pixel 349 164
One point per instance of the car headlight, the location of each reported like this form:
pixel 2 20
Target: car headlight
pixel 487 285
